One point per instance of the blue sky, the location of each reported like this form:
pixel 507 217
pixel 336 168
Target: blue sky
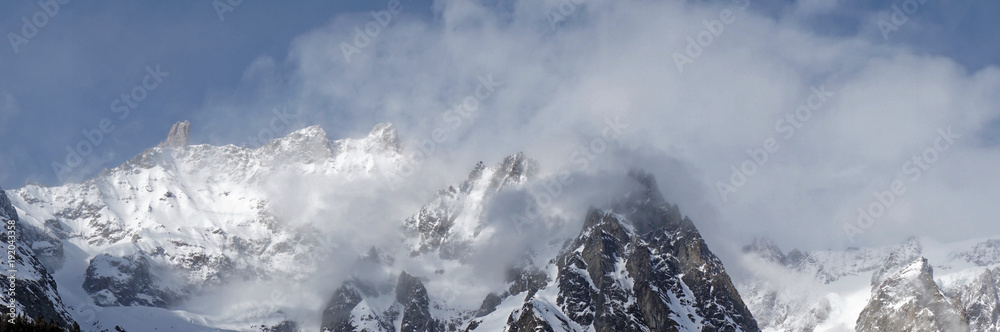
pixel 559 83
pixel 64 79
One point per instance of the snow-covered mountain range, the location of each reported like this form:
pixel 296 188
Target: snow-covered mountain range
pixel 203 238
pixel 635 265
pixel 917 285
pixel 179 219
pixel 200 237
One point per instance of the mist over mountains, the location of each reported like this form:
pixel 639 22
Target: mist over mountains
pixel 181 226
pixel 475 165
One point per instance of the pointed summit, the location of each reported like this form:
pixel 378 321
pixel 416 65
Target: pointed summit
pixel 765 248
pixel 312 136
pixel 910 300
pixel 384 134
pixel 905 253
pixel 514 169
pixel 179 134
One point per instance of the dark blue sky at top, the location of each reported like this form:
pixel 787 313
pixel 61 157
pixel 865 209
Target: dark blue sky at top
pixel 66 77
pixel 64 80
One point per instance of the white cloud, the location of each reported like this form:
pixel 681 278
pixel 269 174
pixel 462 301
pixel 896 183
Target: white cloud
pixel 616 58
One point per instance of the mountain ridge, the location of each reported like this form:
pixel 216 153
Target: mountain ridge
pixel 179 220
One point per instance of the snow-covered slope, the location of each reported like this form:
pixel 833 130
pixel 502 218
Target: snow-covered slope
pixel 28 288
pixel 909 300
pixel 981 302
pixel 828 290
pixel 452 222
pixel 180 219
pixel 147 245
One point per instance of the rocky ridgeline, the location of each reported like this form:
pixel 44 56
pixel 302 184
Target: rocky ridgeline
pixel 182 219
pixel 636 265
pixel 906 294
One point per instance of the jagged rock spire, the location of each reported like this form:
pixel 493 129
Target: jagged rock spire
pixel 910 300
pixel 178 136
pixel 384 135
pixel 766 248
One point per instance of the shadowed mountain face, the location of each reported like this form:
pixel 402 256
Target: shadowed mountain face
pixel 909 300
pixel 35 293
pixel 636 265
pixel 641 265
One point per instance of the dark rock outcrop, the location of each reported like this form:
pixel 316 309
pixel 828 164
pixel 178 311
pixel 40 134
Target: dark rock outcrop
pixel 412 295
pixel 349 310
pixel 638 266
pixel 126 281
pixel 337 315
pixel 35 294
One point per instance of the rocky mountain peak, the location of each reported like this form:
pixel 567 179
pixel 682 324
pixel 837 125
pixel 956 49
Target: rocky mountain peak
pixel 514 169
pixel 409 288
pixel 907 251
pixel 416 315
pixel 917 268
pixel 765 248
pixel 648 189
pixel 455 217
pixel 178 136
pixel 310 131
pixel 645 207
pixel 910 300
pixel 982 301
pixel 310 139
pixel 628 267
pixel 384 134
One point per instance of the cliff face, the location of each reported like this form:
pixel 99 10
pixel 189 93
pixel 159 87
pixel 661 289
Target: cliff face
pixel 35 293
pixel 178 136
pixel 179 221
pixel 636 265
pixel 909 300
pixel 641 265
